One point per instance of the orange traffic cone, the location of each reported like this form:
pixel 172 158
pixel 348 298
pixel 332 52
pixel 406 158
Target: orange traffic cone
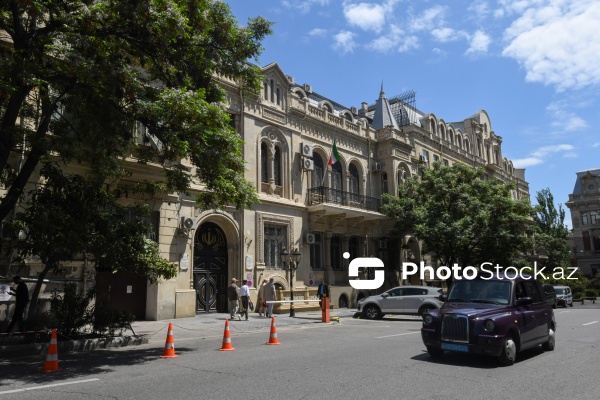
pixel 51 363
pixel 169 344
pixel 273 335
pixel 226 346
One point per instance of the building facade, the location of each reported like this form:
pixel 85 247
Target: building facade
pixel 584 204
pixel 322 209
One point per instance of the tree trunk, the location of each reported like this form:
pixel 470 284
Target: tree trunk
pixel 33 313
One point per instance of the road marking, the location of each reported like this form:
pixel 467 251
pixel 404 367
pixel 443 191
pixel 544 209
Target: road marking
pixel 590 323
pixel 47 386
pixel 399 334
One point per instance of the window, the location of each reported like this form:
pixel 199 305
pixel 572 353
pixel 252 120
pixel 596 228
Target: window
pixel 335 253
pixel 275 237
pixel 336 176
pixel 436 158
pixel 278 94
pixel 277 167
pixel 533 292
pixel 459 141
pixel 594 217
pixel 446 163
pixel 414 292
pixel 384 183
pixel 353 182
pixel 316 259
pixel 272 91
pixel 596 243
pixel 353 247
pixel 264 168
pixel 426 158
pixel 318 172
pixel 584 218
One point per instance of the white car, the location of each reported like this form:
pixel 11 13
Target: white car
pixel 410 300
pixel 564 296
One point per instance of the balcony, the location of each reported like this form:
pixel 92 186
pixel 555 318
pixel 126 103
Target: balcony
pixel 327 196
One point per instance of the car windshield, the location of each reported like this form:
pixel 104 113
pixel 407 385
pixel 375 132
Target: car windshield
pixel 481 291
pixel 559 290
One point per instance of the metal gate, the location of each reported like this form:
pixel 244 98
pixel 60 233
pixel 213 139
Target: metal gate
pixel 210 268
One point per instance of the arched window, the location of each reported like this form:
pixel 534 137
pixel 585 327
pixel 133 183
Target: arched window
pixel 479 149
pixel 277 167
pixel 264 171
pixel 336 176
pixel 327 108
pixel 278 96
pixel 272 90
pixel 266 86
pixel 384 183
pixel 467 146
pixel 353 180
pixel 442 132
pixel 318 172
pixel 459 141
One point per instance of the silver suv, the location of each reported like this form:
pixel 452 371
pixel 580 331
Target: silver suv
pixel 410 300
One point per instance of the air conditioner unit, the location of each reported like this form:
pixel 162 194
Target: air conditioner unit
pixel 311 238
pixel 377 166
pixel 306 150
pixel 382 244
pixel 187 223
pixel 307 88
pixel 308 164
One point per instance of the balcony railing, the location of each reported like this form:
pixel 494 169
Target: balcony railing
pixel 322 195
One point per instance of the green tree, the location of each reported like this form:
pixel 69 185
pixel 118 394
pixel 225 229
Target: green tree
pixel 551 232
pixel 76 75
pixel 70 216
pixel 461 217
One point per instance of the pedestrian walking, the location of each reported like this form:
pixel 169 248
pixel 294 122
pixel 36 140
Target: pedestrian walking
pixel 233 295
pixel 261 298
pixel 245 296
pixel 270 296
pixel 21 300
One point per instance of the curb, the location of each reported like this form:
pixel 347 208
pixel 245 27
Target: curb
pixel 74 346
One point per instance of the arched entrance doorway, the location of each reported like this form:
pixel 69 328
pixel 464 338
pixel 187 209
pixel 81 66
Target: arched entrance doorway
pixel 210 268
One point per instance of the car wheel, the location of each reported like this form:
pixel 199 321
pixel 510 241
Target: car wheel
pixel 554 305
pixel 425 309
pixel 371 312
pixel 435 352
pixel 549 345
pixel 509 352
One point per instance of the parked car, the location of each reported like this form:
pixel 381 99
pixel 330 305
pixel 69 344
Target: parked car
pixel 496 317
pixel 415 300
pixel 564 295
pixel 550 294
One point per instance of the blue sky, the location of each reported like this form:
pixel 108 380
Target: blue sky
pixel 533 65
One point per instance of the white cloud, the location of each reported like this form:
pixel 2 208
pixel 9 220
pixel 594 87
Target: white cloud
pixel 409 43
pixel 526 162
pixel 478 10
pixel 539 156
pixel 564 119
pixel 480 43
pixel 447 34
pixel 368 16
pixel 547 150
pixel 557 41
pixel 317 32
pixel 431 18
pixel 305 5
pixel 344 42
pixel 597 144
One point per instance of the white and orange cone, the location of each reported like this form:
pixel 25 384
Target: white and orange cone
pixel 169 344
pixel 51 363
pixel 273 334
pixel 226 346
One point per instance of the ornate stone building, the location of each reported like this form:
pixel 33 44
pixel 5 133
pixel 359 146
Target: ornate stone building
pixel 584 204
pixel 305 204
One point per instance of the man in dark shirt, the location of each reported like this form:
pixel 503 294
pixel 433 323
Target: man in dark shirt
pixel 22 298
pixel 322 291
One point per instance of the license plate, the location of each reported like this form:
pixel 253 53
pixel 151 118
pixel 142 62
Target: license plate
pixel 455 347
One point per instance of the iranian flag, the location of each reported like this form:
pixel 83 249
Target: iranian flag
pixel 333 158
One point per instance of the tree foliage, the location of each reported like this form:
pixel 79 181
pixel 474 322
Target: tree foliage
pixel 461 217
pixel 70 216
pixel 86 71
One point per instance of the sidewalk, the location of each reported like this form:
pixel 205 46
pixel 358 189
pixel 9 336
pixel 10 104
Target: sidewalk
pixel 203 325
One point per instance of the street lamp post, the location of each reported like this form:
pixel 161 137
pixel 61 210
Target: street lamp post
pixel 290 263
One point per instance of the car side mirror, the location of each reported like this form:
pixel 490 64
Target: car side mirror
pixel 442 297
pixel 385 295
pixel 524 301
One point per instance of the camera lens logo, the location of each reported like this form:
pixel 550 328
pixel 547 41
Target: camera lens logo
pixel 365 262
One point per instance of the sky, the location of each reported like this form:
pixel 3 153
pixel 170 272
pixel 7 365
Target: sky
pixel 532 65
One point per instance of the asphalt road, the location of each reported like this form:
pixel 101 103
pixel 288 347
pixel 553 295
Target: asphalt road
pixel 355 359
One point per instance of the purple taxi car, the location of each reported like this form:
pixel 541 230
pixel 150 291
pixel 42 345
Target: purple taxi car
pixel 497 317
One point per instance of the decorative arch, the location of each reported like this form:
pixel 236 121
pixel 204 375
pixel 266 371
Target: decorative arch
pixel 347 115
pixel 326 105
pixel 273 153
pixel 301 94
